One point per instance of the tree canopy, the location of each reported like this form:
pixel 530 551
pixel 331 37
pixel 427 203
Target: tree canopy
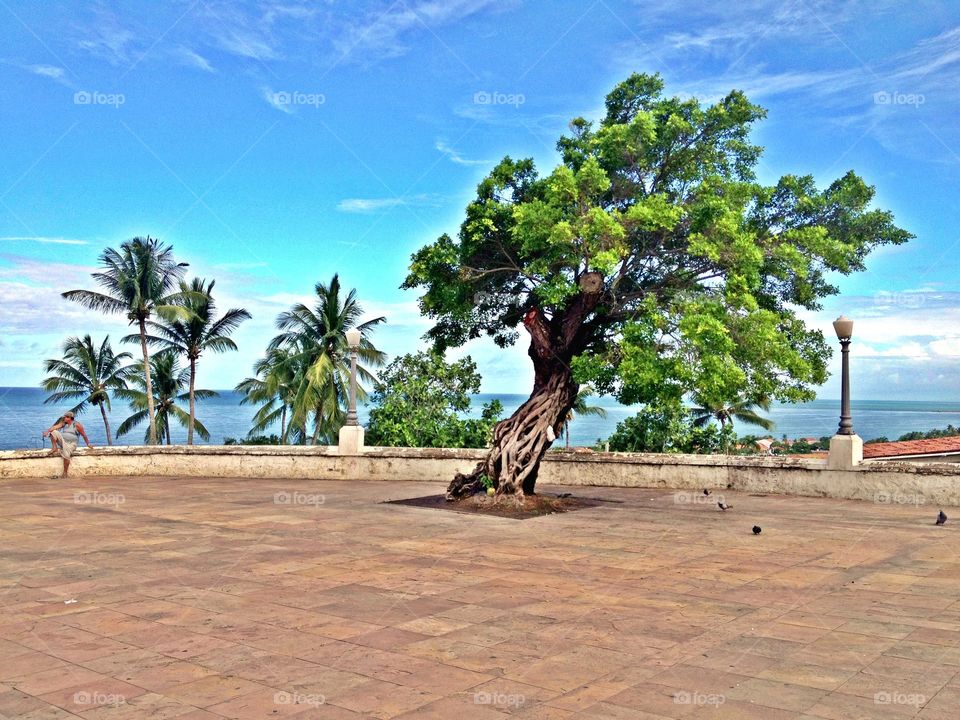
pixel 651 262
pixel 420 400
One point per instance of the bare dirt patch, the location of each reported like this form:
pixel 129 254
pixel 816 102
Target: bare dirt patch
pixel 514 508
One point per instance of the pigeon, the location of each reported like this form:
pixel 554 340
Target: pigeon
pixel 706 492
pixel 757 530
pixel 723 506
pixel 941 518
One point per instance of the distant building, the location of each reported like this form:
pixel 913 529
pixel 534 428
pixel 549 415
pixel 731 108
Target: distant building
pixel 945 449
pixel 764 445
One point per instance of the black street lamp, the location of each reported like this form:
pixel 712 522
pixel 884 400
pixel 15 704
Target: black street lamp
pixel 844 329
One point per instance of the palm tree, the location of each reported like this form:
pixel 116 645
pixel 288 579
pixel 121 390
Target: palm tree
pixel 316 341
pixel 726 412
pixel 198 332
pixel 580 407
pixel 139 280
pixel 86 372
pixel 274 388
pixel 170 383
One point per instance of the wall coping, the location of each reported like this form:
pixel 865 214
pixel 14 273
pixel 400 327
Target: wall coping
pixel 554 456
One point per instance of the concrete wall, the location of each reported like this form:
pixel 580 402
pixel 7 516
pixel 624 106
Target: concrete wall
pixel 894 482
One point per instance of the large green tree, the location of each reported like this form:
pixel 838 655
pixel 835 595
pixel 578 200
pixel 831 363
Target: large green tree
pixel 420 400
pixel 650 263
pixel 86 373
pixel 200 331
pixel 139 280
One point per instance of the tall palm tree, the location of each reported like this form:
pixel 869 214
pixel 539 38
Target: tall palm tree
pixel 316 340
pixel 273 388
pixel 725 413
pixel 580 407
pixel 200 331
pixel 140 280
pixel 87 372
pixel 170 383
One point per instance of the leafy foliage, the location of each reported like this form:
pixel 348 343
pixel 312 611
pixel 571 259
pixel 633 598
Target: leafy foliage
pixel 86 373
pixel 419 399
pixel 655 262
pixel 170 386
pixel 139 280
pixel 198 332
pixel 306 372
pixel 669 428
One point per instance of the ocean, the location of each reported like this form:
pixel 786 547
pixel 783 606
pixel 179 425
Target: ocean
pixel 23 417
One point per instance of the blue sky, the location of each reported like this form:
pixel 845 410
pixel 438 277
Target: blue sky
pixel 275 143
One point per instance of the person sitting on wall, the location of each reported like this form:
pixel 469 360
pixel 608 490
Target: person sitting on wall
pixel 64 437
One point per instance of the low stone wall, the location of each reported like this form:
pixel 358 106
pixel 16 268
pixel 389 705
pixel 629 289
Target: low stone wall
pixel 894 482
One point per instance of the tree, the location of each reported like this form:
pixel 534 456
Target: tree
pixel 169 383
pixel 668 428
pixel 581 408
pixel 317 343
pixel 650 263
pixel 198 332
pixel 274 388
pixel 419 400
pixel 86 372
pixel 726 412
pixel 140 280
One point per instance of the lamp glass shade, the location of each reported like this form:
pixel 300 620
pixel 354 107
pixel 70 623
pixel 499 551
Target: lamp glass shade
pixel 843 327
pixel 353 338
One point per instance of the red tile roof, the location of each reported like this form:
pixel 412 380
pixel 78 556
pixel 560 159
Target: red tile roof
pixel 933 446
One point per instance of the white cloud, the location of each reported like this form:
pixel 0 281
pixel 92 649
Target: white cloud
pixel 455 157
pixel 276 100
pixel 372 205
pixel 44 240
pixel 191 58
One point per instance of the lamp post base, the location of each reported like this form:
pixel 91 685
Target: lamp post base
pixel 846 452
pixel 351 440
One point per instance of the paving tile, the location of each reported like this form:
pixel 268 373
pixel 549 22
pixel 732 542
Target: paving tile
pixel 206 603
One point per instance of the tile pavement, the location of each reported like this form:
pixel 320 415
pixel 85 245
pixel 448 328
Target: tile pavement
pixel 192 599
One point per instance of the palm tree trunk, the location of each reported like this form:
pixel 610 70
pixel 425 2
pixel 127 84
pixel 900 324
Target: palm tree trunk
pixel 151 412
pixel 106 422
pixel 193 407
pixel 283 425
pixel 566 432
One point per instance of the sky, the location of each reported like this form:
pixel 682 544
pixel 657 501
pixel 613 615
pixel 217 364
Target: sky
pixel 275 143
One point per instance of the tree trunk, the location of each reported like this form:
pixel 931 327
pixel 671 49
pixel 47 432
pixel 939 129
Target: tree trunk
pixel 520 441
pixel 283 425
pixel 106 423
pixel 316 426
pixel 148 381
pixel 193 406
pixel 566 433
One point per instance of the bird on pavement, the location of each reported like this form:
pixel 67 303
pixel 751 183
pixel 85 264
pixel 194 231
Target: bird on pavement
pixel 706 492
pixel 941 518
pixel 757 530
pixel 724 506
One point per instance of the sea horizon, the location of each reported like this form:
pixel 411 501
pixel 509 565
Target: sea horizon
pixel 23 417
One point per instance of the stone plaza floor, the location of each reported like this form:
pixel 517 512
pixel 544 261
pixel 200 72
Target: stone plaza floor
pixel 192 599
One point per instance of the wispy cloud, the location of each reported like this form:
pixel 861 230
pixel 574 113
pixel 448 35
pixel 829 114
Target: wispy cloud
pixel 454 156
pixel 107 38
pixel 372 205
pixel 276 100
pixel 382 31
pixel 45 240
pixel 191 58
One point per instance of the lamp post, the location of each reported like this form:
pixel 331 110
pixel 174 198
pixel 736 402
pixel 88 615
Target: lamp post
pixel 353 342
pixel 846 447
pixel 844 329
